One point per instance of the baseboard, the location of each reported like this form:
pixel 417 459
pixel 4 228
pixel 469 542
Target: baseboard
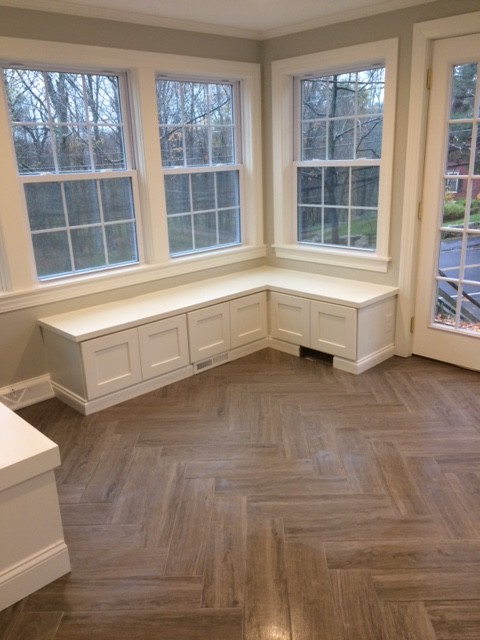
pixel 32 574
pixel 364 363
pixel 91 406
pixel 286 347
pixel 22 394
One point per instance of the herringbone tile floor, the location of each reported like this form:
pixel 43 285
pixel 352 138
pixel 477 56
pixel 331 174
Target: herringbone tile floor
pixel 272 498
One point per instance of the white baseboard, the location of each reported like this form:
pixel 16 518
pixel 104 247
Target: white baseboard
pixel 364 363
pixel 22 394
pixel 32 574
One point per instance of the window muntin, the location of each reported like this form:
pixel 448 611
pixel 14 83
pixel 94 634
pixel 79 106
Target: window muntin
pixel 338 158
pixel 74 162
pixel 199 141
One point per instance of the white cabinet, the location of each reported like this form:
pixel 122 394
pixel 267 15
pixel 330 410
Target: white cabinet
pixel 290 318
pixel 209 331
pixel 333 329
pixel 111 362
pixel 248 319
pixel 163 346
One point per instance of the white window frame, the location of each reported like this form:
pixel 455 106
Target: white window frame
pixel 284 139
pixel 129 172
pixel 24 290
pixel 237 166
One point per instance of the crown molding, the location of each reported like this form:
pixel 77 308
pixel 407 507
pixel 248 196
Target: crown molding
pixel 79 9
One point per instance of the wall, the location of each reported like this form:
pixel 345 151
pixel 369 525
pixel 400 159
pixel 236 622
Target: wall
pixel 21 352
pixel 397 24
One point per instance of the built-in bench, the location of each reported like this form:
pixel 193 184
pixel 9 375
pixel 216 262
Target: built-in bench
pixel 105 354
pixel 32 550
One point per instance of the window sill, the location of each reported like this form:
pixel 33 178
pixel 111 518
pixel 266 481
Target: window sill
pixel 71 288
pixel 333 257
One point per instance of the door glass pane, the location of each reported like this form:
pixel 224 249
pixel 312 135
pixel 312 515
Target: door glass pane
pixel 457 301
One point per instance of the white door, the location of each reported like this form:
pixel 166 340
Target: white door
pixel 447 311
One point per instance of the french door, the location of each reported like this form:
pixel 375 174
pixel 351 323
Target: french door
pixel 447 309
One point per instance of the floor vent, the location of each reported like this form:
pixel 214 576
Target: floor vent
pixel 210 362
pixel 23 394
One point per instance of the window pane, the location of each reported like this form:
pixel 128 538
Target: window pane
pixel 107 147
pixel 464 79
pixel 88 248
pixel 203 191
pixel 52 253
pixel 121 243
pixel 117 200
pixel 33 149
pixel 336 185
pixel 365 183
pixel 82 202
pixel 196 145
pixel 335 232
pixel 205 227
pixel 222 145
pixel 314 141
pixel 103 99
pixel 45 206
pixel 177 193
pixel 341 139
pixel 171 146
pixel 195 104
pixel 228 226
pixel 180 234
pixel 169 102
pixel 220 104
pixel 364 228
pixel 227 189
pixel 310 224
pixel 73 153
pixel 459 141
pixel 26 97
pixel 65 93
pixel 310 183
pixel 369 138
pixel 315 98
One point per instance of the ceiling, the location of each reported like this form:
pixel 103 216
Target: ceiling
pixel 245 18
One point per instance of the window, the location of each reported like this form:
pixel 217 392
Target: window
pixel 340 139
pixel 332 168
pixel 89 191
pixel 73 159
pixel 200 152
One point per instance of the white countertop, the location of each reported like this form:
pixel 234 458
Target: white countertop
pixel 92 322
pixel 24 451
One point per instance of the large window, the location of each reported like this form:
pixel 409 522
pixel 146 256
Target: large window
pixel 333 128
pixel 340 140
pixel 198 127
pixel 74 161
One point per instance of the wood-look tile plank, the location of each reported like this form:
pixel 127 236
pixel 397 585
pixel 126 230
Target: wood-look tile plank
pixel 327 506
pixel 354 527
pixel 359 461
pixel 280 484
pixel 266 596
pixel 357 606
pixel 224 576
pixel 406 621
pixel 391 556
pixel 95 594
pixel 188 545
pixel 440 498
pixel 310 597
pixel 85 513
pixel 467 488
pixel 455 620
pixel 187 624
pixel 427 585
pixel 400 485
pixel 35 626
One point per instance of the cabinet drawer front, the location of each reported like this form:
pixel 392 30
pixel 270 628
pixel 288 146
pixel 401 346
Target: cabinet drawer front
pixel 209 331
pixel 111 363
pixel 290 318
pixel 248 318
pixel 334 329
pixel 163 346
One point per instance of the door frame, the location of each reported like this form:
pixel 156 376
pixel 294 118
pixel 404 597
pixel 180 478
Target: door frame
pixel 424 33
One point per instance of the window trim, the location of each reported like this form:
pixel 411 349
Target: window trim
pixel 284 139
pixel 141 68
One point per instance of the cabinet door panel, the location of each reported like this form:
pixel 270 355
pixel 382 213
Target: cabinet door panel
pixel 209 331
pixel 248 317
pixel 163 346
pixel 111 363
pixel 290 318
pixel 334 329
